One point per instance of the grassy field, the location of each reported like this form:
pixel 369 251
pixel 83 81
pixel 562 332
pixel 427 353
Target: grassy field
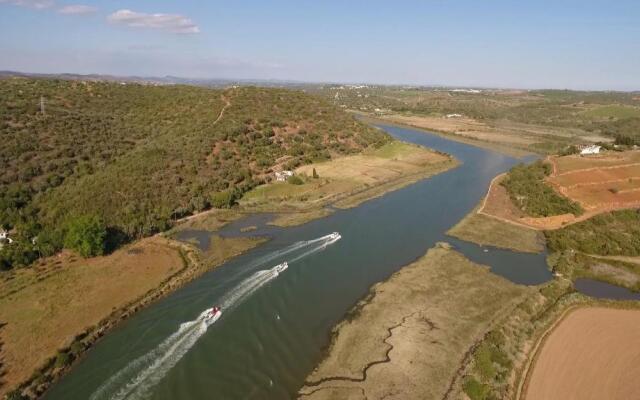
pixel 44 308
pixel 346 181
pixel 409 338
pixel 485 230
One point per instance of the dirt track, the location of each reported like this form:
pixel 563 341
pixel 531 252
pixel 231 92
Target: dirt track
pixel 594 353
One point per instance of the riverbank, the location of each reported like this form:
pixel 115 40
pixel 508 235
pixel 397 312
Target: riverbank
pixel 408 338
pixel 507 148
pixel 346 182
pixel 55 311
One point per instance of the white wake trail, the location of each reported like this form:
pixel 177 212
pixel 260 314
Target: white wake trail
pixel 154 365
pixel 287 250
pixel 137 379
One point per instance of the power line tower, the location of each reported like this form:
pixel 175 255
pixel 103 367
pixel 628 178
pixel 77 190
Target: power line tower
pixel 42 105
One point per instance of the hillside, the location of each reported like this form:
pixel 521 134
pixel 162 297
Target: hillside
pixel 138 157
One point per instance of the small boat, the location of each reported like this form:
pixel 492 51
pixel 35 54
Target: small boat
pixel 213 314
pixel 280 267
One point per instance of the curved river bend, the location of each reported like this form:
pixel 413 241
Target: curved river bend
pixel 275 326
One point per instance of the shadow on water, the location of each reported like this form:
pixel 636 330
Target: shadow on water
pixel 268 343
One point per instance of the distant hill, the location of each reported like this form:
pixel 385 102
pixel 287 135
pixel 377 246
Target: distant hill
pixel 139 156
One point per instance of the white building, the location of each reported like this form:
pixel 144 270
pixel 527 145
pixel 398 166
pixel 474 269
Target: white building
pixel 590 149
pixel 4 236
pixel 454 115
pixel 282 176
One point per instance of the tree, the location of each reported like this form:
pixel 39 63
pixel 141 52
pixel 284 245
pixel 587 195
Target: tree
pixel 224 199
pixel 86 235
pixel 295 180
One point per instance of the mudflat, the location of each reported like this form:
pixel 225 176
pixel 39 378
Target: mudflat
pixel 594 353
pixel 409 339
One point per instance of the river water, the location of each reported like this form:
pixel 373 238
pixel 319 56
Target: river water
pixel 274 328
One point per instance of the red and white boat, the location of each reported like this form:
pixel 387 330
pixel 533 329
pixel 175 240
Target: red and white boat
pixel 213 314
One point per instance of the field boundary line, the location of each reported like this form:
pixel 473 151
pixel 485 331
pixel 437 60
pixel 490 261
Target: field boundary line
pixel 523 385
pixel 597 168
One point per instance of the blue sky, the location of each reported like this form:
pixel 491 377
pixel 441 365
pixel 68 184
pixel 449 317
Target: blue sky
pixel 589 44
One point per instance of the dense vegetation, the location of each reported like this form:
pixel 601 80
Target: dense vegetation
pixel 491 369
pixel 526 187
pixel 137 157
pixel 613 233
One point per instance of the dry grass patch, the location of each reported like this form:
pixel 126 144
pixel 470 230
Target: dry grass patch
pixel 347 181
pixel 484 230
pixel 44 307
pixel 409 338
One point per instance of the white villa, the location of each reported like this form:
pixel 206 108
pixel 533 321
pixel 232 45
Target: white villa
pixel 589 149
pixel 4 236
pixel 281 176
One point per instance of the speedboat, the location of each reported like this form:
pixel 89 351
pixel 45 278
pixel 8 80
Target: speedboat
pixel 213 314
pixel 335 236
pixel 280 267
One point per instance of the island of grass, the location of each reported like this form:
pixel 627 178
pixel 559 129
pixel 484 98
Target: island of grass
pixel 411 336
pixel 346 181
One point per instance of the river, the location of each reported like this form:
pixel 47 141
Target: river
pixel 274 328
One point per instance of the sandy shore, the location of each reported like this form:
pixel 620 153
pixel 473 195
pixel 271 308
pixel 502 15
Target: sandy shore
pixel 410 337
pixel 594 353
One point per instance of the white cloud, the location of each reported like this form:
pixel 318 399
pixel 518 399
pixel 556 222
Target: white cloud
pixel 35 4
pixel 168 22
pixel 77 9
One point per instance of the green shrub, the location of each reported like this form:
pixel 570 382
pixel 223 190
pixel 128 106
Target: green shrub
pixel 224 199
pixel 613 233
pixel 474 389
pixel 527 189
pixel 63 359
pixel 86 235
pixel 484 362
pixel 295 180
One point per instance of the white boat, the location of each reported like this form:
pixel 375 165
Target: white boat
pixel 335 236
pixel 280 267
pixel 213 314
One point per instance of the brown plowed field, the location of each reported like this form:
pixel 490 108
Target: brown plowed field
pixel 600 183
pixel 593 354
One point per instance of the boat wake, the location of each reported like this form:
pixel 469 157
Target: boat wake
pixel 138 378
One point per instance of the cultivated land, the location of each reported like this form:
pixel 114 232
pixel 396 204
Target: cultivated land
pixel 347 181
pixel 411 336
pixel 592 354
pixel 48 320
pixel 599 183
